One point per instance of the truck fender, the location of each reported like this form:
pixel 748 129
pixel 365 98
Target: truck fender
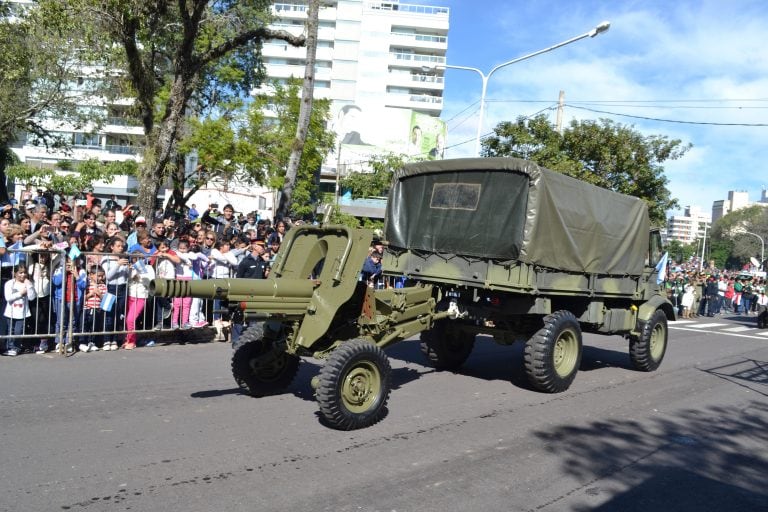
pixel 647 309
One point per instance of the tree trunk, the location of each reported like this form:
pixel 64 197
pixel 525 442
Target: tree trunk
pixel 155 169
pixel 305 110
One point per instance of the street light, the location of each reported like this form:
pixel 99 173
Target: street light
pixel 599 29
pixel 762 251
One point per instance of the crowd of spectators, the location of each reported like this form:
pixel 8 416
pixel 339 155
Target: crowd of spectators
pixel 79 266
pixel 712 292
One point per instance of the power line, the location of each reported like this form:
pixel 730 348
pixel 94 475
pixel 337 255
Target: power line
pixel 665 120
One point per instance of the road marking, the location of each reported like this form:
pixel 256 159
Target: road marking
pixel 740 328
pixel 704 326
pixel 699 328
pixel 683 322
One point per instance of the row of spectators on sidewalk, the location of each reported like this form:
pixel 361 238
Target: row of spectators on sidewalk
pixel 115 255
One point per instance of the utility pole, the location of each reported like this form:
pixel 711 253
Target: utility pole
pixel 560 105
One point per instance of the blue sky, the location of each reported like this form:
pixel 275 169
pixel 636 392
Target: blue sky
pixel 691 61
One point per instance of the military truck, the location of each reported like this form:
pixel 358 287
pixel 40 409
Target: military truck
pixel 498 247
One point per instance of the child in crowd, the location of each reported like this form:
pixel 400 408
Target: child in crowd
pixel 69 283
pixel 18 292
pixel 42 318
pixel 93 317
pixel 115 266
pixel 138 291
pixel 186 270
pixel 224 264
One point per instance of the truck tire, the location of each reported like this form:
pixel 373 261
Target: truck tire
pixel 260 369
pixel 553 354
pixel 647 350
pixel 353 386
pixel 446 349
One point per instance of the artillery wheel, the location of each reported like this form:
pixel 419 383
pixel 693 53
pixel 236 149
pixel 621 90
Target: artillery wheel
pixel 353 386
pixel 553 354
pixel 446 349
pixel 647 350
pixel 258 367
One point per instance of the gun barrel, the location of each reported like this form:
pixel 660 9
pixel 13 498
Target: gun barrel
pixel 243 289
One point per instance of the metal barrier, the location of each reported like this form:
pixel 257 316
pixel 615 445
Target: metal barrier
pixel 72 305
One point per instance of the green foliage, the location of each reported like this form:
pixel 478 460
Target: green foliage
pixel 680 252
pixel 346 219
pixel 266 141
pixel 604 153
pixel 74 179
pixel 377 182
pixel 730 230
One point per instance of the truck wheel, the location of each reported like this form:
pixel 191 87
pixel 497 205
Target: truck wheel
pixel 647 350
pixel 553 354
pixel 446 349
pixel 258 367
pixel 353 386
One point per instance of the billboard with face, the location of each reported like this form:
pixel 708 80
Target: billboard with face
pixel 365 131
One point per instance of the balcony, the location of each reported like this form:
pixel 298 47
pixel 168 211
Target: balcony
pixel 415 40
pixel 416 60
pixel 428 10
pixel 417 81
pixel 420 102
pixel 121 150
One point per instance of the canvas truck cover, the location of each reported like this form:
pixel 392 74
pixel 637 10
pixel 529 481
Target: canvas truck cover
pixel 512 209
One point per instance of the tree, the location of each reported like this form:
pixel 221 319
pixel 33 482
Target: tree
pixel 681 253
pixel 377 182
pixel 602 152
pixel 75 178
pixel 307 91
pixel 178 58
pixel 729 231
pixel 39 82
pixel 245 145
pixel 270 141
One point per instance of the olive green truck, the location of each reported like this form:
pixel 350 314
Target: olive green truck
pixel 494 246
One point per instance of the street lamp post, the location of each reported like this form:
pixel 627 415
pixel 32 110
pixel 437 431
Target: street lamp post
pixel 599 29
pixel 762 251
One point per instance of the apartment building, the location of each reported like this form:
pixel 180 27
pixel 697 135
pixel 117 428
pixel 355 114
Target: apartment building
pixel 688 227
pixel 377 61
pixel 379 64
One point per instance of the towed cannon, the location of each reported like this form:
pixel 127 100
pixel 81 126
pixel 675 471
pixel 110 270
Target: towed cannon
pixel 313 304
pixel 256 297
pixel 563 257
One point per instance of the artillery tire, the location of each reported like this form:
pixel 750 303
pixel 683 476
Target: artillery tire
pixel 446 349
pixel 353 386
pixel 553 354
pixel 647 350
pixel 258 368
pixel 255 331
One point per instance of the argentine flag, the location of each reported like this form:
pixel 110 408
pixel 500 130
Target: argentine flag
pixel 661 269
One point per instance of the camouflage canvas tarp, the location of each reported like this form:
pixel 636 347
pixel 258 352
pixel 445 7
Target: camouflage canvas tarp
pixel 511 209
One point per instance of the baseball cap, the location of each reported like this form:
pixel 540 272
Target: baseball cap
pixel 257 241
pixel 140 220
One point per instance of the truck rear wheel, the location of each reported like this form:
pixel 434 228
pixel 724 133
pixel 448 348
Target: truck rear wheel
pixel 446 349
pixel 258 367
pixel 353 386
pixel 553 353
pixel 647 350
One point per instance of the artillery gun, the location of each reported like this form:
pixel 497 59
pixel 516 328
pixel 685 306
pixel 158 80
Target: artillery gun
pixel 493 246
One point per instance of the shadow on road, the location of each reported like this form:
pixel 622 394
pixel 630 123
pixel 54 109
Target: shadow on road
pixel 710 459
pixel 748 373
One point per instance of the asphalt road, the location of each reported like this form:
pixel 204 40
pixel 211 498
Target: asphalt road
pixel 165 429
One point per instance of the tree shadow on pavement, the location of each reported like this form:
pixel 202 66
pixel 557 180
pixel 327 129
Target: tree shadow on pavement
pixel 692 460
